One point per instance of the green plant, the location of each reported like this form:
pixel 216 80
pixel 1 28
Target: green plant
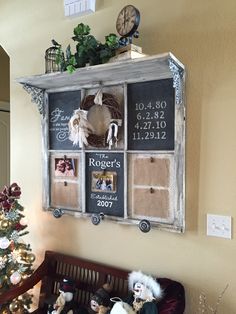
pixel 88 49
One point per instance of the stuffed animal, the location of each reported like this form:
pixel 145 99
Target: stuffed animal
pixel 145 290
pixel 100 301
pixel 64 303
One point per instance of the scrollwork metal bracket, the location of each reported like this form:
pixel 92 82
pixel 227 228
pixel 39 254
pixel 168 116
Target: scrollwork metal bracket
pixel 177 73
pixel 37 97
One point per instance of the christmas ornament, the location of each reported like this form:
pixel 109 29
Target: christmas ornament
pixel 23 221
pixel 4 243
pixel 14 306
pixel 14 257
pixel 15 236
pixel 30 258
pixel 15 278
pixel 2 263
pixel 12 215
pixel 4 224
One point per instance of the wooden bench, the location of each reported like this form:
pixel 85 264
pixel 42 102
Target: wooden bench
pixel 89 276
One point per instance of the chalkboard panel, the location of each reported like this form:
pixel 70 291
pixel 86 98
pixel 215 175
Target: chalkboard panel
pixel 105 183
pixel 151 115
pixel 61 108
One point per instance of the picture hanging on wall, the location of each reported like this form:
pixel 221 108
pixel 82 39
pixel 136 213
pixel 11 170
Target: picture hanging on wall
pixel 65 167
pixel 103 181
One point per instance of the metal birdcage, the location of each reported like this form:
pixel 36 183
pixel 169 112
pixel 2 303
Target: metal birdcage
pixel 52 55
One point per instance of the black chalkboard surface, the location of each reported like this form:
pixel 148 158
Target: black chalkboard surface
pixel 105 183
pixel 61 108
pixel 151 115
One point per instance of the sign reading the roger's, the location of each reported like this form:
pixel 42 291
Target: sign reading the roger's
pixel 105 183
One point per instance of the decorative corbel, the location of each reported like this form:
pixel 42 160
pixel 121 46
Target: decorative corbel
pixel 177 73
pixel 37 97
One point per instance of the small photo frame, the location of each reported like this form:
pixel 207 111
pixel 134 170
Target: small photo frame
pixel 104 182
pixel 65 167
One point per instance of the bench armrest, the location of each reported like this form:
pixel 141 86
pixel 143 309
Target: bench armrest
pixel 26 285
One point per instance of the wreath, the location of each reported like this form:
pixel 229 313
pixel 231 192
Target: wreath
pixel 83 124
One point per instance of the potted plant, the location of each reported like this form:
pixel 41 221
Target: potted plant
pixel 88 49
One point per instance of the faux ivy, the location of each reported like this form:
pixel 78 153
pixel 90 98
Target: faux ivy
pixel 88 50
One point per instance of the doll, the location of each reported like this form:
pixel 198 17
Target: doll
pixel 64 303
pixel 100 301
pixel 145 292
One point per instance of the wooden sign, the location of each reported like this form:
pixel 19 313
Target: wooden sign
pixel 151 115
pixel 105 183
pixel 61 108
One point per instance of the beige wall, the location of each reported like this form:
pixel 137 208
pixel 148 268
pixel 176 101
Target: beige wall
pixel 202 35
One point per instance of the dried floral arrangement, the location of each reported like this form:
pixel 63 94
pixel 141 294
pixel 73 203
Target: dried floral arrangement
pixel 205 308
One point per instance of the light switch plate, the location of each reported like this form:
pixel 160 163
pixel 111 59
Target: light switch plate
pixel 79 7
pixel 219 226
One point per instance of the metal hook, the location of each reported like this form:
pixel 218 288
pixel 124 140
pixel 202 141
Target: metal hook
pixel 57 212
pixel 151 190
pixel 144 225
pixel 96 218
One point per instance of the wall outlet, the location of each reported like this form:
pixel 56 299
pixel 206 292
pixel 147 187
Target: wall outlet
pixel 219 226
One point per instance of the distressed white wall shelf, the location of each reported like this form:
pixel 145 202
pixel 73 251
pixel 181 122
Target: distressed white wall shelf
pixel 147 168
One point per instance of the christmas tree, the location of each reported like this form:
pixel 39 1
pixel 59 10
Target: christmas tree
pixel 16 258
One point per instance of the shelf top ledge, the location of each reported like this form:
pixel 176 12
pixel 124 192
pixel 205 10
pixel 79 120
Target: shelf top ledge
pixel 144 68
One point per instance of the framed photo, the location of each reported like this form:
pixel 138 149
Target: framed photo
pixel 104 181
pixel 65 167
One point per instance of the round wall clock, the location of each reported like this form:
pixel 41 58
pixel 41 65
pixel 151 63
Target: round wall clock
pixel 128 21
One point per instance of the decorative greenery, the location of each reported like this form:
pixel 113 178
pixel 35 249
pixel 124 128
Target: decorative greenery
pixel 16 258
pixel 88 49
pixel 204 307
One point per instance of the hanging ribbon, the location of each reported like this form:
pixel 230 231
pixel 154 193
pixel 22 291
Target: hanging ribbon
pixel 79 128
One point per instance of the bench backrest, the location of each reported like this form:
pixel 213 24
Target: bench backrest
pixel 90 276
